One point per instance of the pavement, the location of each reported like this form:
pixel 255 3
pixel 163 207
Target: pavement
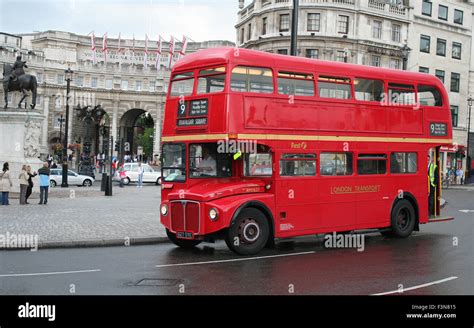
pixel 80 216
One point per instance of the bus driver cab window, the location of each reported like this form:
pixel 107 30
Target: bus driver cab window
pixel 206 161
pixel 207 164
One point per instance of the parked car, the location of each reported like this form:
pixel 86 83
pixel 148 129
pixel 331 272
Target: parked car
pixel 56 178
pixel 131 173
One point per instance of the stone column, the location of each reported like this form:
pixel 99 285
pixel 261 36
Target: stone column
pixel 157 139
pixel 114 123
pixel 44 136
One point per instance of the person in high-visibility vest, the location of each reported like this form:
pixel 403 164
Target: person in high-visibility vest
pixel 433 180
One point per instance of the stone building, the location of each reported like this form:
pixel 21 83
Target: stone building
pixel 122 84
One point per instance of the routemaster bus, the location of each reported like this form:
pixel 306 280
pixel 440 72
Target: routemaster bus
pixel 259 146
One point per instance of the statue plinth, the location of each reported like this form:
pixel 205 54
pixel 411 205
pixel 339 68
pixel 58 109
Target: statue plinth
pixel 20 141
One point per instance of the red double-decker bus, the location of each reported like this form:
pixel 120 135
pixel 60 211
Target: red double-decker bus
pixel 258 146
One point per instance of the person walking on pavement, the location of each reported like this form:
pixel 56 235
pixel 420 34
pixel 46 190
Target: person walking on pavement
pixel 5 184
pixel 122 176
pixel 29 190
pixel 44 183
pixel 140 175
pixel 433 180
pixel 23 184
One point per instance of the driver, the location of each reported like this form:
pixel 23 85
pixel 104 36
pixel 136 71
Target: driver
pixel 207 165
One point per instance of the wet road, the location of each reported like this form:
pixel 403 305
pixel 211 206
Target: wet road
pixel 437 260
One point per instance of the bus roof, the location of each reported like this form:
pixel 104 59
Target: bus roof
pixel 225 55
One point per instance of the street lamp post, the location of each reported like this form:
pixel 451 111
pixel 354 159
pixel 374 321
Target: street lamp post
pixel 468 158
pixel 68 75
pixel 405 52
pixel 294 28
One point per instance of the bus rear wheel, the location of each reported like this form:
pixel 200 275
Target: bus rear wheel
pixel 184 243
pixel 402 220
pixel 249 233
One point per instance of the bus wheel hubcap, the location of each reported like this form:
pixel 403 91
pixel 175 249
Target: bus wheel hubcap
pixel 250 231
pixel 402 219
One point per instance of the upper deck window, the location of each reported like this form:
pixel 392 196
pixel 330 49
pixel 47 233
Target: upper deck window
pixel 368 90
pixel 298 84
pixel 429 96
pixel 401 94
pixel 334 87
pixel 252 79
pixel 211 80
pixel 182 84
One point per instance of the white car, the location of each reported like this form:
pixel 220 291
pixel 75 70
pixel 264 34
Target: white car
pixel 56 178
pixel 131 173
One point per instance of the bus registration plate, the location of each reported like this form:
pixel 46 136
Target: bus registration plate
pixel 184 235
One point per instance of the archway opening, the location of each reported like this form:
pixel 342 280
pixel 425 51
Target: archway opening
pixel 136 136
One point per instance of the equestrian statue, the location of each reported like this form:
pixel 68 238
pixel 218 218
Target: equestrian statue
pixel 15 79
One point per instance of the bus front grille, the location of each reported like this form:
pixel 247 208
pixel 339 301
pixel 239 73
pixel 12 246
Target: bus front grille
pixel 185 216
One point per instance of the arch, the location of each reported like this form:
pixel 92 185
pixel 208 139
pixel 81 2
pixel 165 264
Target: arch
pixel 132 123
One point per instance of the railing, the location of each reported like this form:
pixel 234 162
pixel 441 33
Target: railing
pixel 386 7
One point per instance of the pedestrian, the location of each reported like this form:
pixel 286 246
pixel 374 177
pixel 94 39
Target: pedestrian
pixel 49 159
pixel 458 176
pixel 5 184
pixel 44 183
pixel 29 190
pixel 23 184
pixel 140 175
pixel 54 166
pixel 122 176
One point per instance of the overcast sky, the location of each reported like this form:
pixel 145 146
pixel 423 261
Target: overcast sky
pixel 198 19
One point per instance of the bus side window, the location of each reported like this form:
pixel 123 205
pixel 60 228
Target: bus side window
pixel 403 163
pixel 336 164
pixel 429 96
pixel 401 94
pixel 252 79
pixel 371 164
pixel 298 165
pixel 334 87
pixel 297 84
pixel 368 90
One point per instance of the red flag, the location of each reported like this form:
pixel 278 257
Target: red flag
pixel 104 47
pixel 172 44
pixel 183 47
pixel 93 48
pixel 158 52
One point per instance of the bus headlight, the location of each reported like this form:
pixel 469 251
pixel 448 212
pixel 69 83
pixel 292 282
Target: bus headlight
pixel 164 209
pixel 213 214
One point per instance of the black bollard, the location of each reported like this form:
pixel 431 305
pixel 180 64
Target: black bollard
pixel 103 183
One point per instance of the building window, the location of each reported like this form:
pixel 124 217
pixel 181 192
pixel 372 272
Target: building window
pixel 425 43
pixel 242 35
pixel 6 39
pixel 249 31
pixel 108 84
pixel 395 63
pixel 441 47
pixel 282 51
pixel 396 32
pixel 443 12
pixel 343 24
pixel 341 56
pixel 457 47
pixel 312 53
pixel 94 82
pixel 39 77
pixel 440 74
pixel 454 115
pixel 79 81
pixel 58 102
pixel 426 8
pixel 138 86
pixel 314 22
pixel 284 23
pixel 264 25
pixel 424 70
pixel 458 16
pixel 124 85
pixel 375 60
pixel 455 82
pixel 376 29
pixel 60 79
pixel 152 86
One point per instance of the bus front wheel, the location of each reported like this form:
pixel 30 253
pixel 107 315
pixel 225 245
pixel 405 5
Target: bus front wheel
pixel 249 233
pixel 184 243
pixel 403 219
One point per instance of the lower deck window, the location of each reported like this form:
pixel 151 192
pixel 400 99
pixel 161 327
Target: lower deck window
pixel 403 163
pixel 298 165
pixel 336 164
pixel 372 164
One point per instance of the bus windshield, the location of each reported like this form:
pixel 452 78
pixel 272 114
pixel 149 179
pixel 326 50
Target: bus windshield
pixel 206 162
